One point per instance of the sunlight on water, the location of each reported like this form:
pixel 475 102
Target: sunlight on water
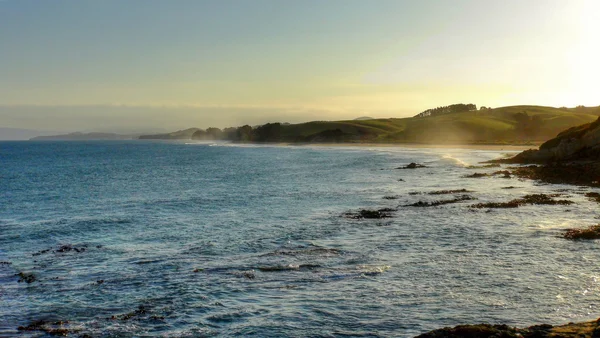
pixel 175 239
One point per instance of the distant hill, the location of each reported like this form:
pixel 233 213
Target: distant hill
pixel 21 134
pixel 83 136
pixel 456 124
pixel 185 134
pixel 363 118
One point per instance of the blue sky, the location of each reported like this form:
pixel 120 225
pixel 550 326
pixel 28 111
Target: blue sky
pixel 287 60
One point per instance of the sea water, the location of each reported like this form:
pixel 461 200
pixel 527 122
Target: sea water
pixel 213 239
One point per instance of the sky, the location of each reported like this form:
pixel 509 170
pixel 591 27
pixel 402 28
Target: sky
pixel 147 64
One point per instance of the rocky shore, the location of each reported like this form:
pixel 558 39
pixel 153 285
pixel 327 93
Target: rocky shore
pixel 573 157
pixel 589 329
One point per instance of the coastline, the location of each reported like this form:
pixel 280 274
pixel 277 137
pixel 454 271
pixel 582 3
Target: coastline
pixel 576 173
pixel 467 146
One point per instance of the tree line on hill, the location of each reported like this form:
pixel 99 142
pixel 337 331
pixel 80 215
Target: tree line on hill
pixel 270 132
pixel 453 108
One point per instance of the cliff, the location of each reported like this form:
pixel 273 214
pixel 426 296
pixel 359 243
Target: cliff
pixel 581 143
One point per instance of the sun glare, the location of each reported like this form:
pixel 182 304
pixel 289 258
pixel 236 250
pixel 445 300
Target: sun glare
pixel 583 85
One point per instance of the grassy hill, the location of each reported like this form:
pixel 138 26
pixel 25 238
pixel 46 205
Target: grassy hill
pixel 513 125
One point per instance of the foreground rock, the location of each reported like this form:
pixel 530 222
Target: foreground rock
pixel 589 329
pixel 573 157
pixel 370 214
pixel 592 232
pixel 412 165
pixel 425 204
pixel 576 173
pixel 59 328
pixel 538 199
pixel 574 144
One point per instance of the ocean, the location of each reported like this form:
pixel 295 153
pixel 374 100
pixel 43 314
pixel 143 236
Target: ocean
pixel 174 239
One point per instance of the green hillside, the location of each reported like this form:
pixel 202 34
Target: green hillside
pixel 513 125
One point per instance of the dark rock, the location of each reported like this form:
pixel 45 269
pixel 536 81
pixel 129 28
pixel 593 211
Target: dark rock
pixel 491 165
pixel 584 174
pixel 441 202
pixel 50 328
pixel 41 252
pixel 370 214
pixel 412 165
pixel 571 330
pixel 594 196
pixel 477 175
pixel 26 277
pixel 503 173
pixel 447 192
pixel 69 248
pixel 124 317
pixel 473 331
pixel 538 199
pixel 592 232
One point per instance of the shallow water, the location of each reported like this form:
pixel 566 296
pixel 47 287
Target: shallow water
pixel 234 240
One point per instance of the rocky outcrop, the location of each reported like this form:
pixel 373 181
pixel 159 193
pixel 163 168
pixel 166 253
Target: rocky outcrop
pixel 589 329
pixel 575 144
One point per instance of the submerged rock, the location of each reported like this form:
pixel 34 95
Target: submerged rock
pixel 64 249
pixel 289 267
pixel 486 166
pixel 440 202
pixel 477 175
pixel 539 199
pixel 371 214
pixel 51 328
pixel 448 192
pixel 127 316
pixel 26 277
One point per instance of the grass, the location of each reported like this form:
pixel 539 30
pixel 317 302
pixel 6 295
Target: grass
pixel 493 126
pixel 490 126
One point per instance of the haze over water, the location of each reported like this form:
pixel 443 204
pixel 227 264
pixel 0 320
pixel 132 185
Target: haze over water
pixel 222 239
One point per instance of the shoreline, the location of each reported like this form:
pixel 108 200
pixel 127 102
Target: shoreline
pixel 495 147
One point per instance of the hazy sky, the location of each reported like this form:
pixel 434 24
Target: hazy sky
pixel 101 64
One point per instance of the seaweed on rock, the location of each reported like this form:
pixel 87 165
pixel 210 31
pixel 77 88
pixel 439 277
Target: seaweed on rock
pixel 538 199
pixel 424 204
pixel 592 232
pixel 371 214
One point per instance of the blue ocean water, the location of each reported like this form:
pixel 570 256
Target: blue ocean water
pixel 186 240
